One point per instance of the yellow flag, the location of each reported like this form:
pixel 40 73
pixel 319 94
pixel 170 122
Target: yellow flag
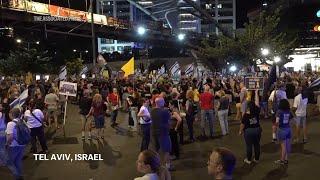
pixel 128 68
pixel 28 80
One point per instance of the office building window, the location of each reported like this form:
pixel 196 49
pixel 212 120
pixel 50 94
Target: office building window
pixel 107 41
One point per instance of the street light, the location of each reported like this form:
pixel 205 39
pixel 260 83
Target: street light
pixel 233 68
pixel 265 52
pixel 38 42
pixel 277 59
pixel 19 41
pixel 181 36
pixel 86 51
pixel 141 30
pixel 74 50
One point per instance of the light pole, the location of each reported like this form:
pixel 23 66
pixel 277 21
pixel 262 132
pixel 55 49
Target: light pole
pixel 93 35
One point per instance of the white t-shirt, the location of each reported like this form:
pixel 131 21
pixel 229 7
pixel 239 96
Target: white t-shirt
pixel 144 111
pixel 11 129
pixel 301 105
pixel 151 176
pixel 280 95
pixel 32 122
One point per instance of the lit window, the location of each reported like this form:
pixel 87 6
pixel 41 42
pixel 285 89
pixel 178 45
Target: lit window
pixel 219 6
pixel 208 6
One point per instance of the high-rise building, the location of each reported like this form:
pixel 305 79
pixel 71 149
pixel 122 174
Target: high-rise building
pixel 187 22
pixel 223 11
pixel 120 9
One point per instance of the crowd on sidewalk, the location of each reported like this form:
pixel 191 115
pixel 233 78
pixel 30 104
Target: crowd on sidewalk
pixel 158 111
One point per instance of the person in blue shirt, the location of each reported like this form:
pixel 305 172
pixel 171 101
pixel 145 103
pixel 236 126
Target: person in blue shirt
pixel 283 118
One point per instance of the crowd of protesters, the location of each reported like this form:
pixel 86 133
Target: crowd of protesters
pixel 159 109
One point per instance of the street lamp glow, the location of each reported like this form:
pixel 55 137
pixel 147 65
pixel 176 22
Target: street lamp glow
pixel 83 76
pixel 38 42
pixel 87 51
pixel 265 52
pixel 141 30
pixel 277 59
pixel 19 40
pixel 228 63
pixel 181 37
pixel 74 50
pixel 233 68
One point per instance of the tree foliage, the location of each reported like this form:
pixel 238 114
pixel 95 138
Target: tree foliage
pixel 245 49
pixel 22 60
pixel 74 66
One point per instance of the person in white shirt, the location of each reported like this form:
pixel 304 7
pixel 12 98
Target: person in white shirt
pixel 300 107
pixel 145 123
pixel 14 149
pixel 34 118
pixel 149 164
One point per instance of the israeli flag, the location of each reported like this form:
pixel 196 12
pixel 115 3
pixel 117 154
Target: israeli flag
pixel 315 83
pixel 161 71
pixel 189 70
pixel 175 69
pixel 63 73
pixel 20 100
pixel 84 70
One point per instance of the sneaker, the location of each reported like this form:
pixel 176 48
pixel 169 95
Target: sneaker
pixel 83 138
pixel 304 141
pixel 246 161
pixel 281 162
pixel 255 161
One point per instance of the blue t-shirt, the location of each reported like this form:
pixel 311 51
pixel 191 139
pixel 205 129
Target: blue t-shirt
pixel 284 118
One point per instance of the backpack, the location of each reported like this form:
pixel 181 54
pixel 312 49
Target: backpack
pixel 23 133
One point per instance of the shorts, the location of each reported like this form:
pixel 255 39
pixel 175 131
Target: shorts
pixel 99 121
pixel 301 121
pixel 284 134
pixel 264 105
pixel 52 112
pixel 163 143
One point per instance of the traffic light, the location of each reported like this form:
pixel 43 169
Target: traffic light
pixel 318 14
pixel 317 28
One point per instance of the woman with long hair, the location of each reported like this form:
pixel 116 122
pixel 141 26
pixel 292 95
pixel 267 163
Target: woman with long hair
pixel 149 163
pixel 98 111
pixel 35 118
pixel 250 127
pixel 223 107
pixel 191 110
pixel 283 118
pixel 175 122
